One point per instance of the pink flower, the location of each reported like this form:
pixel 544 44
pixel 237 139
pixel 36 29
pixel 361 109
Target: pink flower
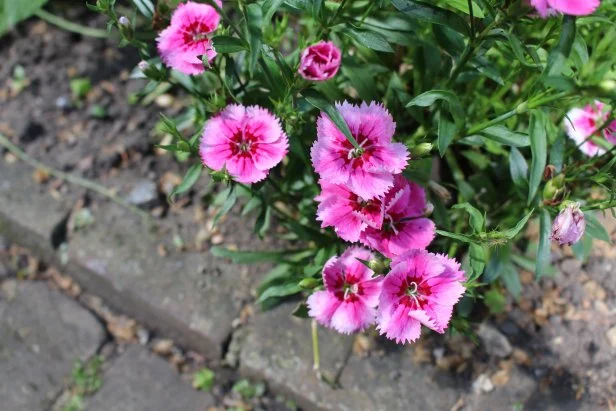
pixel 569 226
pixel 248 141
pixel 404 227
pixel 367 171
pixel 182 44
pixel 348 303
pixel 609 132
pixel 581 124
pixel 572 7
pixel 348 213
pixel 320 61
pixel 421 288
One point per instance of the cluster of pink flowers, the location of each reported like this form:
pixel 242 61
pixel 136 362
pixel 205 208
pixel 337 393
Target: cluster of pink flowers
pixel 363 194
pixel 421 289
pixel 584 124
pixel 547 8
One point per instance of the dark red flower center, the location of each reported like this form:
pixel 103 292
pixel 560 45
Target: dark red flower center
pixel 413 293
pixel 357 156
pixel 348 288
pixel 243 144
pixel 196 32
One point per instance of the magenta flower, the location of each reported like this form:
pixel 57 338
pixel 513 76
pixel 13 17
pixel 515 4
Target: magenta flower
pixel 569 226
pixel 182 44
pixel 547 8
pixel 581 124
pixel 404 227
pixel 609 132
pixel 348 303
pixel 367 171
pixel 348 213
pixel 320 61
pixel 421 288
pixel 247 141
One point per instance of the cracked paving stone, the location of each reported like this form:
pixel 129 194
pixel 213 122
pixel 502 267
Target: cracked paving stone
pixel 42 334
pixel 139 380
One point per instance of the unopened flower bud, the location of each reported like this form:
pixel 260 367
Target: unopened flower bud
pixel 308 283
pixel 554 188
pixel 376 265
pixel 124 21
pixel 421 150
pixel 143 65
pixel 429 209
pixel 569 226
pixel 125 27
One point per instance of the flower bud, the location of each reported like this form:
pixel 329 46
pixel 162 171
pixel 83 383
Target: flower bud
pixel 308 283
pixel 609 86
pixel 568 227
pixel 125 27
pixel 554 188
pixel 143 65
pixel 429 209
pixel 421 150
pixel 376 265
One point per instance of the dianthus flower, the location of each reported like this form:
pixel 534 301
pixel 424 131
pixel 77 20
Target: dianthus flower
pixel 368 170
pixel 581 124
pixel 571 7
pixel 182 44
pixel 421 288
pixel 347 212
pixel 569 226
pixel 404 226
pixel 320 61
pixel 247 141
pixel 348 303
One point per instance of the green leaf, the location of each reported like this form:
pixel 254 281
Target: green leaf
pixel 145 7
pixel 254 23
pixel 263 221
pixel 446 132
pixel 560 54
pixel 428 13
pixel 227 205
pixel 503 135
pixel 511 280
pixel 595 229
pixel 477 255
pixel 557 153
pixel 301 311
pixel 462 5
pixel 203 380
pixel 269 8
pixel 518 170
pixel 228 44
pixel 191 177
pixel 455 236
pixel 14 11
pixel 369 39
pixel 319 101
pixel 539 149
pixel 512 232
pixel 495 301
pixel 430 97
pixel 498 259
pixel 543 249
pixel 476 218
pixel 282 290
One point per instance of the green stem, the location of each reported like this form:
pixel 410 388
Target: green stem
pixel 72 178
pixel 70 26
pixel 315 350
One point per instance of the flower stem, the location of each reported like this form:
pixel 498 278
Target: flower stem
pixel 70 26
pixel 4 142
pixel 315 350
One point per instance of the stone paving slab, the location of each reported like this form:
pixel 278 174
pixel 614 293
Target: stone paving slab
pixel 42 334
pixel 278 349
pixel 28 213
pixel 140 381
pixel 191 297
